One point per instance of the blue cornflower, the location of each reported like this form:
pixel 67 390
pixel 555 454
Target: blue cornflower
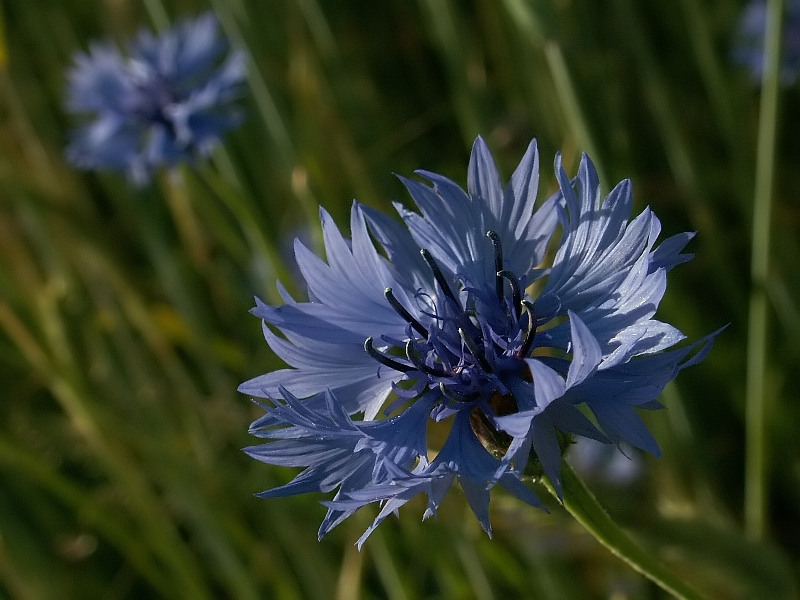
pixel 455 328
pixel 748 49
pixel 167 101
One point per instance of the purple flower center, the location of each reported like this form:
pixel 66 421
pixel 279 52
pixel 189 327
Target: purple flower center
pixel 473 342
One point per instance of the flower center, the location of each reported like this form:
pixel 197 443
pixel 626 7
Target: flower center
pixel 472 343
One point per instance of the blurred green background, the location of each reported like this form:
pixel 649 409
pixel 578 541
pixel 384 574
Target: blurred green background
pixel 124 328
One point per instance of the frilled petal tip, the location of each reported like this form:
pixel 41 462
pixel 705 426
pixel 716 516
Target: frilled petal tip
pixel 614 393
pixel 452 223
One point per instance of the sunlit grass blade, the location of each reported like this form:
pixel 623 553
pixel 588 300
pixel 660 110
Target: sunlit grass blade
pixel 528 22
pixel 65 384
pixel 680 154
pixel 183 213
pixel 268 111
pixel 158 14
pixel 441 18
pixel 711 69
pixel 3 46
pixel 756 443
pixel 654 85
pixel 386 568
pixel 264 253
pixel 100 519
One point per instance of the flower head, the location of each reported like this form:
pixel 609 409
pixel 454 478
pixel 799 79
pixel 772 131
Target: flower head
pixel 167 101
pixel 455 324
pixel 748 50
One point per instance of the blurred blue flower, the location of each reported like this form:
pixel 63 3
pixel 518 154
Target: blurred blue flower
pixel 168 101
pixel 604 464
pixel 455 329
pixel 748 50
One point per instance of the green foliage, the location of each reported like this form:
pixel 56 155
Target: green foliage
pixel 123 313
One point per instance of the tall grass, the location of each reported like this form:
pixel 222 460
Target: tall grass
pixel 124 328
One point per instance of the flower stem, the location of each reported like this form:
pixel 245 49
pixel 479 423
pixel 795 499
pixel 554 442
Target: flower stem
pixel 585 508
pixel 189 229
pixel 755 476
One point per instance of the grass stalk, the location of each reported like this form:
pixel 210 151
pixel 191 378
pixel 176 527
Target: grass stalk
pixel 755 450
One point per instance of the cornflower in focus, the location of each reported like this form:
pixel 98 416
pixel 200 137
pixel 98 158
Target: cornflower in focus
pixel 167 101
pixel 449 350
pixel 748 49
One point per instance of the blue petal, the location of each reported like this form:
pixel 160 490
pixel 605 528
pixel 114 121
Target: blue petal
pixel 545 444
pixel 409 270
pixel 623 423
pixel 668 254
pixel 339 453
pixel 548 384
pixel 586 353
pixel 478 499
pixel 453 224
pixel 520 195
pixel 483 180
pixel 450 228
pixel 348 291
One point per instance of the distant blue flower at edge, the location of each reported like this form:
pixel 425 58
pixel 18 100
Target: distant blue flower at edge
pixel 439 324
pixel 168 101
pixel 748 49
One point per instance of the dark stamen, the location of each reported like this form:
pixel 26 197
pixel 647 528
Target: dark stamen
pixel 385 360
pixel 498 263
pixel 516 293
pixel 416 360
pixel 451 395
pixel 438 275
pixel 475 350
pixel 401 310
pixel 531 333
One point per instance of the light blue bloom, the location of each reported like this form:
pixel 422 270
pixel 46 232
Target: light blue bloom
pixel 167 101
pixel 604 463
pixel 748 49
pixel 441 324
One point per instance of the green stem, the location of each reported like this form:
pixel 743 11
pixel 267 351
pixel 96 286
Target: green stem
pixel 183 215
pixel 585 508
pixel 755 473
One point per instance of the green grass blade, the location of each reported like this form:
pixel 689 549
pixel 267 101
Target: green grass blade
pixel 755 460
